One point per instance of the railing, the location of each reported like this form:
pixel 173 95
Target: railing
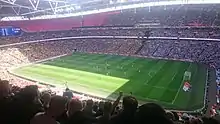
pixel 113 37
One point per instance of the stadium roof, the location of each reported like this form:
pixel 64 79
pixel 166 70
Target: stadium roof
pixel 36 9
pixel 41 7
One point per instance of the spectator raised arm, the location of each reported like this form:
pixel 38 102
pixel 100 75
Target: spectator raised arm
pixel 115 104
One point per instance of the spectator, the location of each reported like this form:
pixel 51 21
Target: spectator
pixel 45 99
pixel 100 109
pixel 88 110
pixel 25 104
pixel 68 93
pixel 56 108
pixel 5 100
pixel 76 115
pixel 105 118
pixel 4 89
pixel 127 115
pixel 152 113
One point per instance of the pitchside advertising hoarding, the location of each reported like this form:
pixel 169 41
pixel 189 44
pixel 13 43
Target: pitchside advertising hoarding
pixel 10 31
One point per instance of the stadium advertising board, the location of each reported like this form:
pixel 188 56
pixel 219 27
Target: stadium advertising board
pixel 10 31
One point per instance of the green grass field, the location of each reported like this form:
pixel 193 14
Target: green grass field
pixel 149 80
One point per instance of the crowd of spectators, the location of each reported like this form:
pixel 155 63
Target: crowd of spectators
pixel 118 31
pixel 215 109
pixel 30 106
pixel 198 51
pixel 217 72
pixel 168 15
pixel 201 51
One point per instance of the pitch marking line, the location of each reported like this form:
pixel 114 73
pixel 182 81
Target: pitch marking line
pixel 158 87
pixel 180 87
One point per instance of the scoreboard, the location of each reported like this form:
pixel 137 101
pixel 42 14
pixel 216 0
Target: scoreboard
pixel 10 31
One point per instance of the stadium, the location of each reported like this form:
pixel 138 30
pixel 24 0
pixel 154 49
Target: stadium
pixel 161 56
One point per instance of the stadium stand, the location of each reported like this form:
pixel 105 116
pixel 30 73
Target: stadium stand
pixel 25 102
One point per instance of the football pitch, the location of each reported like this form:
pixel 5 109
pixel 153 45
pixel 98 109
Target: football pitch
pixel 149 80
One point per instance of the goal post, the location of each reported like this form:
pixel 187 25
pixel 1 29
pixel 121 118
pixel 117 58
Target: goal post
pixel 187 76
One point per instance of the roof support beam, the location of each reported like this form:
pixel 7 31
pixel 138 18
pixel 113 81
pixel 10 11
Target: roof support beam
pixel 68 5
pixel 58 1
pixel 53 7
pixel 34 4
pixel 14 4
pixel 16 10
pixel 12 1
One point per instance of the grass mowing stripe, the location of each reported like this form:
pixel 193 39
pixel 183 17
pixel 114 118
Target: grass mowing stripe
pixel 77 72
pixel 78 86
pixel 98 68
pixel 79 60
pixel 87 81
pixel 101 67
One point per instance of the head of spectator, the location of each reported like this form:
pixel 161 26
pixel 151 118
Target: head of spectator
pixel 99 112
pixel 89 107
pixel 75 114
pixel 25 104
pixel 45 98
pixel 104 119
pixel 4 88
pixel 176 116
pixel 68 93
pixel 29 94
pixel 57 106
pixel 101 105
pixel 153 113
pixel 126 116
pixel 170 115
pixel 95 106
pixel 74 106
pixel 89 103
pixel 107 108
pixel 130 104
